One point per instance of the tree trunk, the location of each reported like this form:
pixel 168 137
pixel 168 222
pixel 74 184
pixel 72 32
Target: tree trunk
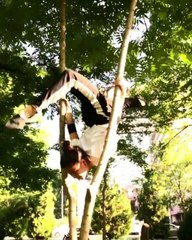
pixel 62 43
pixel 67 186
pixel 116 113
pixel 104 205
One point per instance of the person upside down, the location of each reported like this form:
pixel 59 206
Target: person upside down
pixel 80 154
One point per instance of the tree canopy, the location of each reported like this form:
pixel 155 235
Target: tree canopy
pixel 159 65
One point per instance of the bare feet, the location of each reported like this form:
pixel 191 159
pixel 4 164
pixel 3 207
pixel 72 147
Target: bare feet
pixel 25 116
pixel 16 122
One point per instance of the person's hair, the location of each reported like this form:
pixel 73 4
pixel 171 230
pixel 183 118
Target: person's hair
pixel 132 102
pixel 70 155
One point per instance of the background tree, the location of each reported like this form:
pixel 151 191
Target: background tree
pixel 152 200
pixel 159 61
pixel 115 209
pixel 27 214
pixel 175 167
pixel 23 155
pixel 163 60
pixel 167 181
pixel 159 65
pixel 43 220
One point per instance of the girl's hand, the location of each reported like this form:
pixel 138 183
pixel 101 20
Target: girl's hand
pixel 119 82
pixel 68 107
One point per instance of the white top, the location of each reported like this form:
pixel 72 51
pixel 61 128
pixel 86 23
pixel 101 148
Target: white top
pixel 92 142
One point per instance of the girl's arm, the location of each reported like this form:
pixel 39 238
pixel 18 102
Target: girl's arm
pixel 70 122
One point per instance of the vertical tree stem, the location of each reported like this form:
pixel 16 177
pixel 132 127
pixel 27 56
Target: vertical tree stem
pixel 116 112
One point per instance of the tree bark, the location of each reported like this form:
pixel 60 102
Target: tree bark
pixel 67 186
pixel 62 43
pixel 104 205
pixel 116 113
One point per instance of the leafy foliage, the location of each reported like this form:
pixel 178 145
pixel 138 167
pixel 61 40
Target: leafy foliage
pixel 23 153
pixel 152 198
pixel 159 64
pixel 114 208
pixel 44 219
pixel 89 30
pixel 164 62
pixel 167 182
pixel 27 214
pixel 176 165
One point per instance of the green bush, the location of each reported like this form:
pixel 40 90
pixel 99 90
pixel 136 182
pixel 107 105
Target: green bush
pixel 14 215
pixel 43 218
pixel 27 214
pixel 113 212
